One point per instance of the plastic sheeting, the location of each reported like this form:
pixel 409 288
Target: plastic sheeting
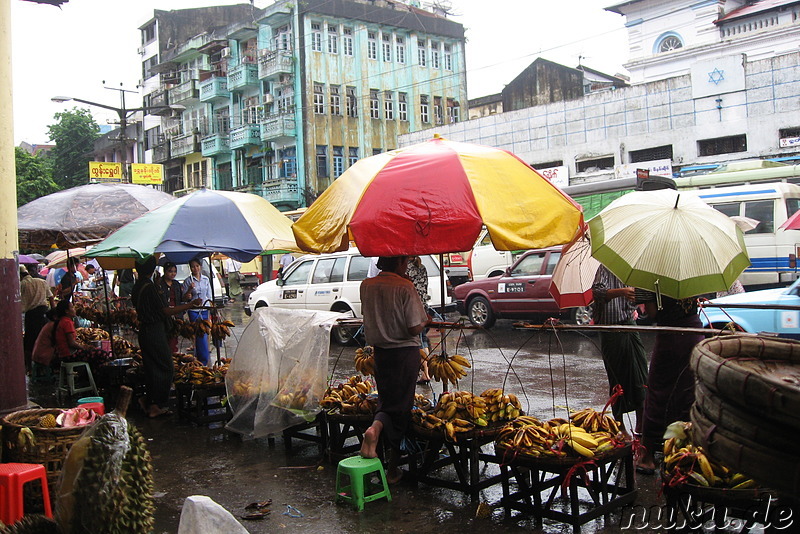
pixel 201 515
pixel 279 370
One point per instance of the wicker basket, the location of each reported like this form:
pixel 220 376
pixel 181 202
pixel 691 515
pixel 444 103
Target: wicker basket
pixel 760 375
pixel 743 423
pixel 49 446
pixel 767 466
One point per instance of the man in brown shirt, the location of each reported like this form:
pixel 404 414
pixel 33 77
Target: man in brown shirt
pixel 393 318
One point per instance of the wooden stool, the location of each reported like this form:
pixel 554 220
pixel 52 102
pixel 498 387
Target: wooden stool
pixel 12 478
pixel 356 468
pixel 66 379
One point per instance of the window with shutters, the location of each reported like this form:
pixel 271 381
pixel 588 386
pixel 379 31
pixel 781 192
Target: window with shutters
pixel 316 37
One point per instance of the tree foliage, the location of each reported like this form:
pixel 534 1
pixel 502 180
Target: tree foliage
pixel 34 177
pixel 74 135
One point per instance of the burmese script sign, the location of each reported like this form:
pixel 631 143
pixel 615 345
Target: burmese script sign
pixel 105 171
pixel 147 173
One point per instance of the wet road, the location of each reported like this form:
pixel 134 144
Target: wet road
pixel 549 373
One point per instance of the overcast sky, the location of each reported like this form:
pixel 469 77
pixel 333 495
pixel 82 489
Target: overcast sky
pixel 71 51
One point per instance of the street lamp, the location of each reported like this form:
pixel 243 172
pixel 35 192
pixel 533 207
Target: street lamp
pixel 123 113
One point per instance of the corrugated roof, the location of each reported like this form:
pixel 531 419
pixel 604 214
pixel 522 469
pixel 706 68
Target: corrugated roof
pixel 754 9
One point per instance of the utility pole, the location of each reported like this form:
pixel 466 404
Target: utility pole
pixel 123 129
pixel 13 392
pixel 123 113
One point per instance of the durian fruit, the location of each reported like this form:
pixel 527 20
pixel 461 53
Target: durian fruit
pixel 107 481
pixel 47 421
pixel 32 524
pixel 113 493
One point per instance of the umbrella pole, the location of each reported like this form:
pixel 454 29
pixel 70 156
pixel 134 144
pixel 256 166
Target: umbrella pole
pixel 441 303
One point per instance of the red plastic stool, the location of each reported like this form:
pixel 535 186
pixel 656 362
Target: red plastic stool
pixel 12 478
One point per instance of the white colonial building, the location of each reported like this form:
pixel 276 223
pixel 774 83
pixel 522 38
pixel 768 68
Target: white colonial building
pixel 713 81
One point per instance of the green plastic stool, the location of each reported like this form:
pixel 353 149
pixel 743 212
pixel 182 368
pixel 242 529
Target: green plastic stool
pixel 356 468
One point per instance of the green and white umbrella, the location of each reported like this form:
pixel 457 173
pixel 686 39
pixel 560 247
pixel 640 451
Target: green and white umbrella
pixel 670 242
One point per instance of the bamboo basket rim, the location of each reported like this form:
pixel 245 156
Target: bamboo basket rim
pixel 33 415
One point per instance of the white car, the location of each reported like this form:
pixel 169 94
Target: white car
pixel 331 282
pixel 485 261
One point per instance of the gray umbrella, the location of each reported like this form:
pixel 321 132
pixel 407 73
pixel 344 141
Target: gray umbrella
pixel 84 215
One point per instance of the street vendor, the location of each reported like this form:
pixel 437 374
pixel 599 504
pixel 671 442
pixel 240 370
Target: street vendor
pixel 198 286
pixel 173 294
pixel 624 356
pixel 393 319
pixel 152 313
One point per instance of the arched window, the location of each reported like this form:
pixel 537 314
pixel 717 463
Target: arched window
pixel 667 42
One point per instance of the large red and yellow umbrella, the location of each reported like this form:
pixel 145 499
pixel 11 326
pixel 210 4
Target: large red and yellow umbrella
pixel 433 198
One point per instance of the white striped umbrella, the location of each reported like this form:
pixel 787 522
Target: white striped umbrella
pixel 669 242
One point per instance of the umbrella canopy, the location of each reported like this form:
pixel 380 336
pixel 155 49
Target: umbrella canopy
pixel 434 197
pixel 239 225
pixel 792 223
pixel 84 215
pixel 669 242
pixel 573 277
pixel 59 257
pixel 24 259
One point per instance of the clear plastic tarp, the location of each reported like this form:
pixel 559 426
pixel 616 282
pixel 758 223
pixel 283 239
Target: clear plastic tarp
pixel 279 370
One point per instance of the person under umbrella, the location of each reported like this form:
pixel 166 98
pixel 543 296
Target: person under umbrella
pixel 71 279
pixel 152 313
pixel 173 295
pixel 624 355
pixel 198 287
pixel 393 319
pixel 35 297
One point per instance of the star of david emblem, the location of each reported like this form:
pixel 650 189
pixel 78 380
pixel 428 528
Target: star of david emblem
pixel 716 76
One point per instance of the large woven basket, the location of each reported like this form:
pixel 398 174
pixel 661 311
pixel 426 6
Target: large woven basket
pixel 743 423
pixel 49 446
pixel 767 466
pixel 760 375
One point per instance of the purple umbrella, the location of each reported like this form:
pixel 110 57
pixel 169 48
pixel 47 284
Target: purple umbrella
pixel 24 259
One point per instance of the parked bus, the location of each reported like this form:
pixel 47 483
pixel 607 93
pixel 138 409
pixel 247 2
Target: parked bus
pixel 772 250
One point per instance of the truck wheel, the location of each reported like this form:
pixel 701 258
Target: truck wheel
pixel 480 312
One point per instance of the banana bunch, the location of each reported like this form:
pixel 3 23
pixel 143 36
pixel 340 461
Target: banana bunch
pixel 356 396
pixel 686 462
pixel 594 421
pixel 90 335
pixel 221 330
pixel 422 402
pixel 88 312
pixel 558 437
pixel 197 374
pixel 499 406
pixel 365 361
pixel 122 346
pixel 455 412
pixel 125 316
pixel 445 368
pixel 292 400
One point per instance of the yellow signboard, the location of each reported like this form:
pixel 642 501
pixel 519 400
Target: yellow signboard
pixel 105 171
pixel 147 173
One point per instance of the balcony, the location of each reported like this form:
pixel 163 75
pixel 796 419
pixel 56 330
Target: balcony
pixel 161 152
pixel 156 99
pixel 278 128
pixel 273 63
pixel 243 76
pixel 185 92
pixel 249 134
pixel 215 90
pixel 215 144
pixel 282 192
pixel 183 145
pixel 253 177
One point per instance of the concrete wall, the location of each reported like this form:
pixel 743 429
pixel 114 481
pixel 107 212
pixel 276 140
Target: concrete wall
pixel 613 123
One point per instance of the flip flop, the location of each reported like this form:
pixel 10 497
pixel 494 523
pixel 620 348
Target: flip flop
pixel 256 515
pixel 257 505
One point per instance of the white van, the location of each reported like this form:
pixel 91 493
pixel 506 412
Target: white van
pixel 486 261
pixel 331 282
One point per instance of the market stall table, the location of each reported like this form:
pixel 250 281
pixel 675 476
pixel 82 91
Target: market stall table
pixel 608 481
pixel 465 455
